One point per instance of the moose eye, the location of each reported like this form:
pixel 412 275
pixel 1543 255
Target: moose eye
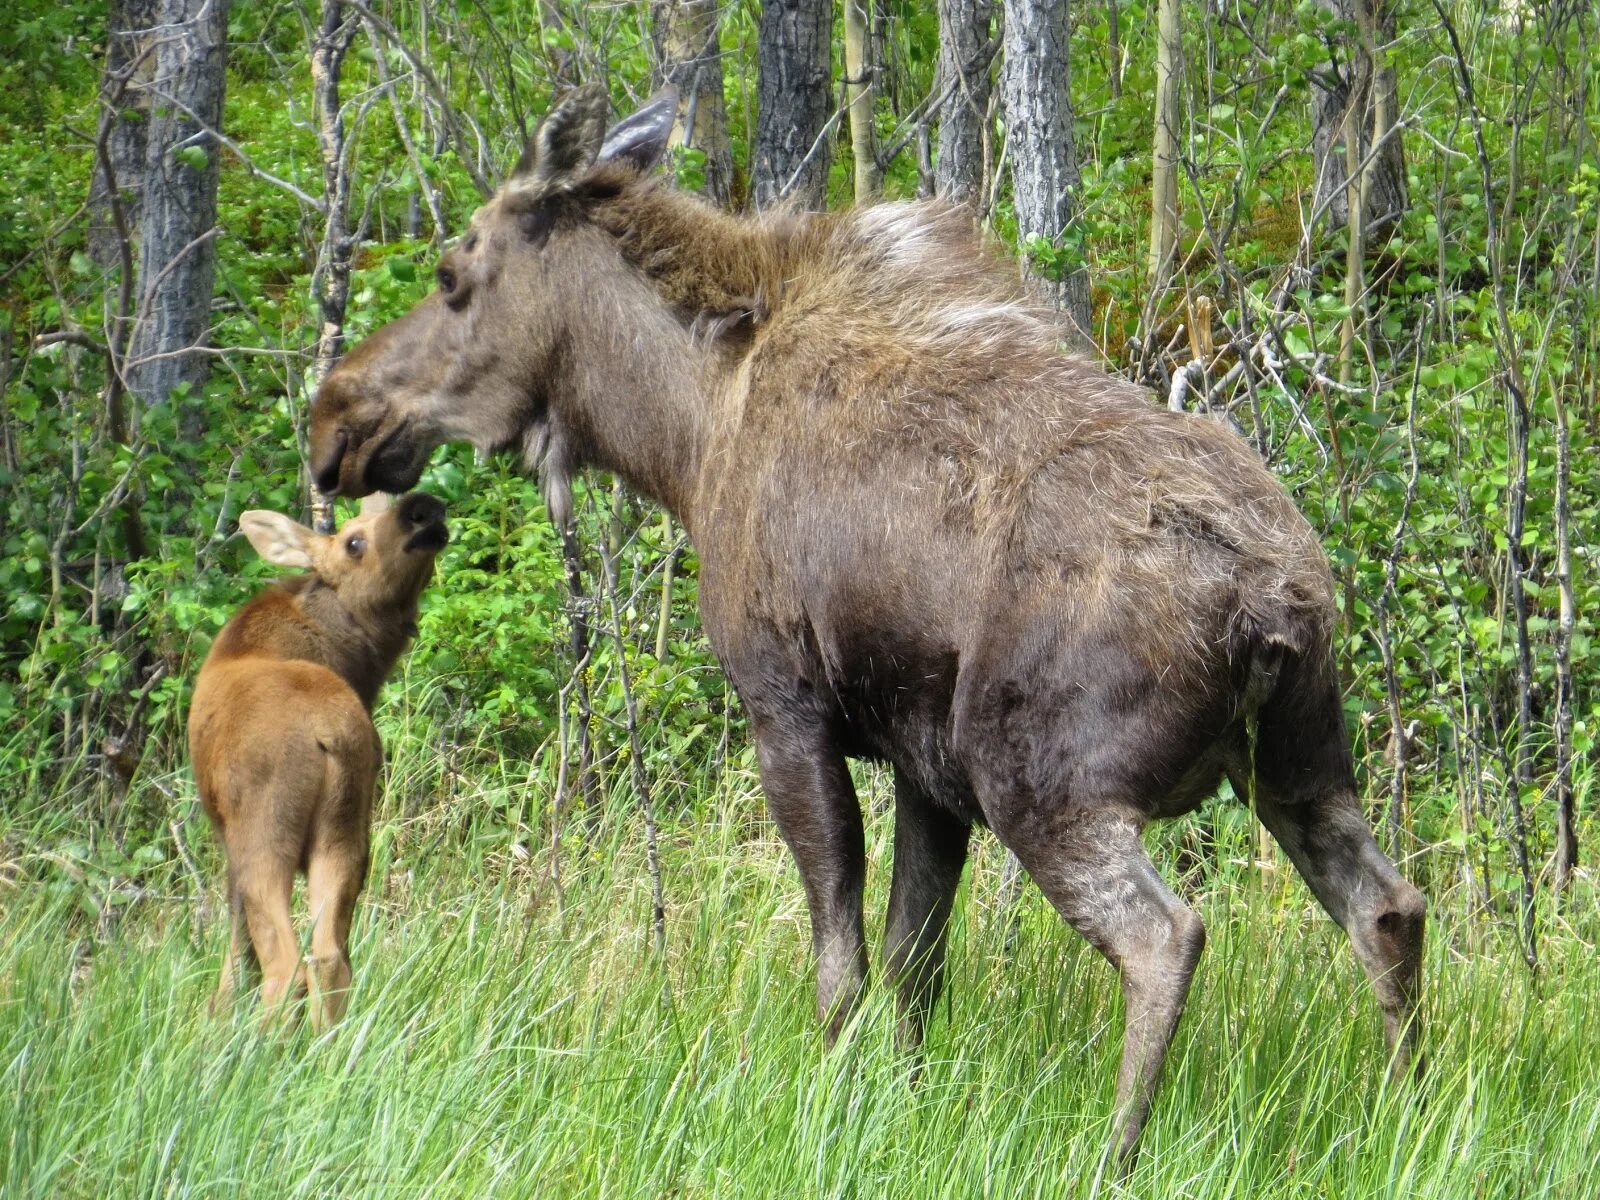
pixel 356 546
pixel 446 278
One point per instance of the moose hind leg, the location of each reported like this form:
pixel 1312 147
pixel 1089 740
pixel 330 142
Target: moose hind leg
pixel 930 850
pixel 266 889
pixel 240 958
pixel 333 882
pixel 810 796
pixel 1332 847
pixel 1094 869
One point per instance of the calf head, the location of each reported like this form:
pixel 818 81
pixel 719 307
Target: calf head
pixel 377 563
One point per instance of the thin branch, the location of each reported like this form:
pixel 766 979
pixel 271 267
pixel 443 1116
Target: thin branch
pixel 452 118
pixel 922 115
pixel 205 131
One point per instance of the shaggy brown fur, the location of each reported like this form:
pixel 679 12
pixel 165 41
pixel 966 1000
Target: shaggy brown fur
pixel 285 754
pixel 925 535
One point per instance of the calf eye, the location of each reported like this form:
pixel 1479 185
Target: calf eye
pixel 356 546
pixel 447 280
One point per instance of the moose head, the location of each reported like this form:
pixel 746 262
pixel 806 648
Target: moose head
pixel 481 358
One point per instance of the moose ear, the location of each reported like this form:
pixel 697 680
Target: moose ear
pixel 375 504
pixel 641 139
pixel 566 142
pixel 277 539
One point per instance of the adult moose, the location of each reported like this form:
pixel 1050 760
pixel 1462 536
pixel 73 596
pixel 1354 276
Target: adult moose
pixel 925 536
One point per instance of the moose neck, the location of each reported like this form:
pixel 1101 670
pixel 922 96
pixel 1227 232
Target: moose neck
pixel 362 651
pixel 634 394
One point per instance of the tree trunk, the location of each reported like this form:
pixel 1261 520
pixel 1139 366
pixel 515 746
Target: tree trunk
pixel 1044 160
pixel 1114 56
pixel 963 31
pixel 177 261
pixel 1164 166
pixel 690 59
pixel 129 65
pixel 861 95
pixel 561 62
pixel 331 279
pixel 1566 812
pixel 793 103
pixel 1345 82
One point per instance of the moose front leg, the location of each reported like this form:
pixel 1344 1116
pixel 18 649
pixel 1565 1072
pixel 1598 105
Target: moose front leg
pixel 810 796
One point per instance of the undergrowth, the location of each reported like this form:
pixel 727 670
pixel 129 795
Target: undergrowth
pixel 514 1032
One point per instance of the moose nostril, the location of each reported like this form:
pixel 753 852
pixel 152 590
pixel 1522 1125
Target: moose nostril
pixel 326 475
pixel 419 509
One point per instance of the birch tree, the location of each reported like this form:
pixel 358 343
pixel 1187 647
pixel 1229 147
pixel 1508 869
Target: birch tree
pixel 331 279
pixel 689 58
pixel 1164 165
pixel 861 94
pixel 1043 154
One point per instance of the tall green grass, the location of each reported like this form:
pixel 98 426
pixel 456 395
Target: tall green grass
pixel 509 1036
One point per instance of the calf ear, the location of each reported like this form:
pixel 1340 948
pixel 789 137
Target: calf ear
pixel 641 138
pixel 566 142
pixel 277 539
pixel 376 503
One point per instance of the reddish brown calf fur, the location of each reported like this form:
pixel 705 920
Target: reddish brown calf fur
pixel 280 732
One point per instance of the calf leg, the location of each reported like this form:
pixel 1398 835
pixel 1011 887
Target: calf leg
pixel 1332 847
pixel 1094 869
pixel 240 953
pixel 810 795
pixel 333 882
pixel 930 849
pixel 266 888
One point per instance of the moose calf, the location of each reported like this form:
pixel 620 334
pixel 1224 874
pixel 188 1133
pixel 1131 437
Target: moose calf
pixel 280 732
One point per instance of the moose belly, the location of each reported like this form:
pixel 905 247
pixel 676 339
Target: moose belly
pixel 896 708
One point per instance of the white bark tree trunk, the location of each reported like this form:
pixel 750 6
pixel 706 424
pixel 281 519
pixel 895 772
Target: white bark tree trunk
pixel 861 94
pixel 690 60
pixel 1043 154
pixel 1164 165
pixel 331 279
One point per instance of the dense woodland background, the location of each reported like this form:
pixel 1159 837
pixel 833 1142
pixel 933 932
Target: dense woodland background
pixel 1367 231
